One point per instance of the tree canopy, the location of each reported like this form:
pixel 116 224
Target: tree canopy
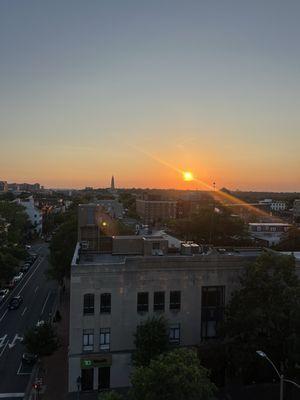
pixel 175 375
pixel 264 314
pixel 151 339
pixel 211 225
pixel 41 340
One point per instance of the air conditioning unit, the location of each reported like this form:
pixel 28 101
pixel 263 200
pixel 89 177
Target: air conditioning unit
pixel 84 245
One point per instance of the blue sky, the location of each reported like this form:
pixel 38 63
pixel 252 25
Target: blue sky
pixel 91 88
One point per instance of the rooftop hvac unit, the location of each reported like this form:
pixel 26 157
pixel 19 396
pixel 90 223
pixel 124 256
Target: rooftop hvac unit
pixel 195 248
pixel 186 249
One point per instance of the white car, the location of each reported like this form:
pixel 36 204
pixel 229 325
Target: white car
pixel 3 294
pixel 18 277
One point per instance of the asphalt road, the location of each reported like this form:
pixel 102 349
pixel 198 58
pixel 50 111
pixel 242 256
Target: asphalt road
pixel 39 296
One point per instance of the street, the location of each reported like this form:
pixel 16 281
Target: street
pixel 39 295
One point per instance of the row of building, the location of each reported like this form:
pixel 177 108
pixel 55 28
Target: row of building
pixel 153 209
pixel 20 187
pixel 117 282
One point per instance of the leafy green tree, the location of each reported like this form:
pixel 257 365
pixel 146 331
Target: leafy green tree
pixel 291 242
pixel 211 225
pixel 41 340
pixel 264 314
pixel 176 375
pixel 151 339
pixel 62 248
pixel 8 265
pixel 111 395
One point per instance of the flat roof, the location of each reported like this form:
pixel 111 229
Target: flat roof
pixel 270 223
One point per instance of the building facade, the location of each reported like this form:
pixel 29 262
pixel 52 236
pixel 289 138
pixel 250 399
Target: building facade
pixel 152 211
pixel 34 214
pixel 116 286
pixel 271 233
pixel 3 186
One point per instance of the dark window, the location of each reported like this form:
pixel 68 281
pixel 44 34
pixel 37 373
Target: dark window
pixel 142 302
pixel 105 303
pixel 88 303
pixel 159 301
pixel 104 378
pixel 175 300
pixel 212 310
pixel 174 334
pixel 88 340
pixel 105 339
pixel 155 245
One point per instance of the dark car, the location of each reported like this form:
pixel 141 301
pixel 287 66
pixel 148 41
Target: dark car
pixel 25 267
pixel 29 358
pixel 15 303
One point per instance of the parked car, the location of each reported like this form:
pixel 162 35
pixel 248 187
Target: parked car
pixel 3 294
pixel 15 302
pixel 18 277
pixel 27 246
pixel 29 358
pixel 25 268
pixel 32 257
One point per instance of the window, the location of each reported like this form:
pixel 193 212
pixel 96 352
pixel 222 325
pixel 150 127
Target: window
pixel 105 339
pixel 105 303
pixel 155 246
pixel 88 340
pixel 175 300
pixel 174 334
pixel 159 301
pixel 142 302
pixel 212 310
pixel 88 303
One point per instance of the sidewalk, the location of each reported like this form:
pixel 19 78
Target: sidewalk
pixel 56 366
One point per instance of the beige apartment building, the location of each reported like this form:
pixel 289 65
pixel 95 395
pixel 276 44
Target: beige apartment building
pixel 116 287
pixel 152 211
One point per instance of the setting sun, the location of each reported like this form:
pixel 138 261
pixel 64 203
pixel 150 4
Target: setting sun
pixel 188 176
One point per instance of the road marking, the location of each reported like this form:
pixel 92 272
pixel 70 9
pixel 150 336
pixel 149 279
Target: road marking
pixel 2 340
pixel 36 289
pixel 14 342
pixel 24 311
pixel 23 373
pixel 19 284
pixel 3 349
pixel 13 395
pixel 4 315
pixel 39 263
pixel 45 302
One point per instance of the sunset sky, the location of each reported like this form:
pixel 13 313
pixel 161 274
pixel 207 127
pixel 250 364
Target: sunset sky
pixel 144 89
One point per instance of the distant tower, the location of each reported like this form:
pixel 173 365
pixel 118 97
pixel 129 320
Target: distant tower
pixel 112 185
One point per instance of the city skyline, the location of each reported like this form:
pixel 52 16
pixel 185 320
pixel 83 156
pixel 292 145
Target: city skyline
pixel 149 90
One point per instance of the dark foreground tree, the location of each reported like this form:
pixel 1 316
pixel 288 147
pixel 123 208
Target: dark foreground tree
pixel 176 375
pixel 62 249
pixel 111 395
pixel 264 314
pixel 41 340
pixel 151 339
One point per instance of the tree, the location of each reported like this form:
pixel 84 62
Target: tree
pixel 41 340
pixel 62 248
pixel 176 375
pixel 211 225
pixel 151 339
pixel 8 264
pixel 111 395
pixel 264 314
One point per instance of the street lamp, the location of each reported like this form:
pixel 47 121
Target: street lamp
pixel 280 376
